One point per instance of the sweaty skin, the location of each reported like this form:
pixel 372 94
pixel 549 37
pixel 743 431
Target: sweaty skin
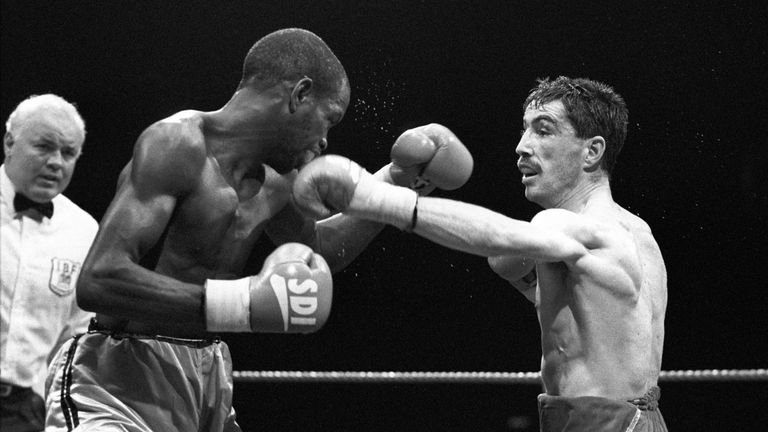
pixel 601 310
pixel 198 191
pixel 601 313
pixel 602 290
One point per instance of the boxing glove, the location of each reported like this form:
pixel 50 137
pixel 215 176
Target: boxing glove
pixel 430 156
pixel 518 271
pixel 331 184
pixel 292 294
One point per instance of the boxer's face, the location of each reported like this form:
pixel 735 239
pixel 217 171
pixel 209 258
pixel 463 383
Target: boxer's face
pixel 550 154
pixel 41 155
pixel 308 134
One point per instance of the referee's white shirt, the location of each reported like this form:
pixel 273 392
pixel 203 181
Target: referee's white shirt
pixel 39 263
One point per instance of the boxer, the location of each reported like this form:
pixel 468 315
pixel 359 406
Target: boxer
pixel 592 269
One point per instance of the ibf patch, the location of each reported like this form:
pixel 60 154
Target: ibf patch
pixel 63 276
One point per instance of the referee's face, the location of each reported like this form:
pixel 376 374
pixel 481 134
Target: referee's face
pixel 40 155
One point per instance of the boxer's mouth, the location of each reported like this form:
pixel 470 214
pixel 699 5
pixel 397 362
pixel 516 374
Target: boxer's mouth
pixel 307 157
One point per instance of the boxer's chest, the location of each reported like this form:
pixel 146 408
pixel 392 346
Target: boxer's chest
pixel 221 224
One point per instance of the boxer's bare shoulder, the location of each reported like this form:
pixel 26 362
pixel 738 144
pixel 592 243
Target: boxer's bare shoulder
pixel 170 152
pixel 182 131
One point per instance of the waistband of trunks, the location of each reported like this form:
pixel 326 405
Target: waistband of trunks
pixel 649 401
pixel 117 333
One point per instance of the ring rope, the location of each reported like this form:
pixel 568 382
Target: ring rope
pixel 708 375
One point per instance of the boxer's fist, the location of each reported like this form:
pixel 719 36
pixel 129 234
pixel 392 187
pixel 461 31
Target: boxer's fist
pixel 326 185
pixel 519 271
pixel 292 294
pixel 430 156
pixel 511 267
pixel 331 184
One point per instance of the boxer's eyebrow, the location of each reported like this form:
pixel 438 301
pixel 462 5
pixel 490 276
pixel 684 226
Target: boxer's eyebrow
pixel 543 117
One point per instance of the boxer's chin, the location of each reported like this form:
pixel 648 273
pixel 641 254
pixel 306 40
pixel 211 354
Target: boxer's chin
pixel 305 158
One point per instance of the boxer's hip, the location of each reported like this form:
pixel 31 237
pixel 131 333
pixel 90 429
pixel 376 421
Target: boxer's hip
pixel 122 377
pixel 120 326
pixel 560 413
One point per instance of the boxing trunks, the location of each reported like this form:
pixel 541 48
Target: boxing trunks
pixel 104 381
pixel 596 414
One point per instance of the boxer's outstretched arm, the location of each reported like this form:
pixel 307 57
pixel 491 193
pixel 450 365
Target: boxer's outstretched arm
pixel 334 183
pixel 480 231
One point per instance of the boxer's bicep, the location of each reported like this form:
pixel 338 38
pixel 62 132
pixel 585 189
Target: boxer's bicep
pixel 134 222
pixel 148 191
pixel 163 169
pixel 559 236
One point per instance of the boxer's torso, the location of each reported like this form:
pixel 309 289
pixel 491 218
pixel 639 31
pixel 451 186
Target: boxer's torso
pixel 214 225
pixel 602 317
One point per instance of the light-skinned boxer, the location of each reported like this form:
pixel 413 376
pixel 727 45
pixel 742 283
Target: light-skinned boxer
pixel 593 269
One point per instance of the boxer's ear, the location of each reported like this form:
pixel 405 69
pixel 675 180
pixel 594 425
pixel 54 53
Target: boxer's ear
pixel 300 93
pixel 593 152
pixel 7 143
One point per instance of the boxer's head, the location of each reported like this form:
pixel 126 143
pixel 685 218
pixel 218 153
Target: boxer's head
pixel 313 88
pixel 592 109
pixel 573 130
pixel 290 55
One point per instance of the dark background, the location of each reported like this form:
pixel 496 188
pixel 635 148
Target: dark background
pixel 694 77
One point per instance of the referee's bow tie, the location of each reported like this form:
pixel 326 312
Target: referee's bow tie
pixel 21 203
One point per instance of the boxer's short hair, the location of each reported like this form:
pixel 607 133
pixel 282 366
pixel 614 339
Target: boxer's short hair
pixel 593 108
pixel 291 54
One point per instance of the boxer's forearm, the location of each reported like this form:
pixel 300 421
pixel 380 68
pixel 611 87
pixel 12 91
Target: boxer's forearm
pixel 453 224
pixel 473 229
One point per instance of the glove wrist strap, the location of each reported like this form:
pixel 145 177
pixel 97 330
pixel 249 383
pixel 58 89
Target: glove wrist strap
pixel 384 203
pixel 228 305
pixel 414 217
